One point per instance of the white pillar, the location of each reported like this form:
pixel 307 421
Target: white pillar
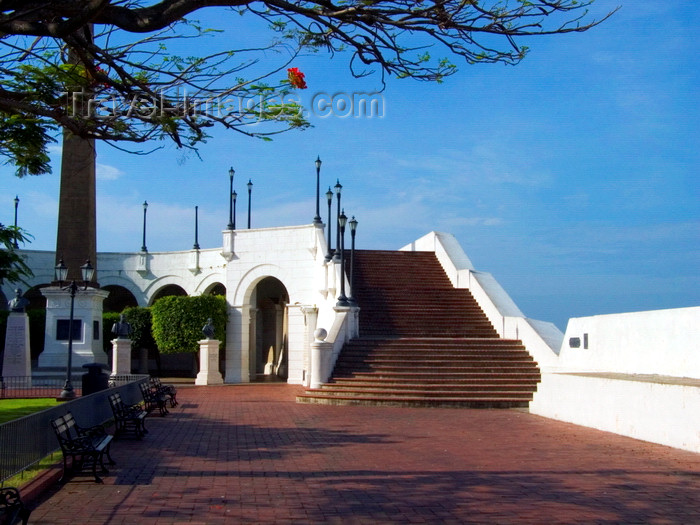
pixel 209 363
pixel 321 353
pixel 87 345
pixel 121 356
pixel 17 358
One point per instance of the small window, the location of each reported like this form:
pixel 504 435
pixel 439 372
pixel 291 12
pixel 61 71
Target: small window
pixel 62 327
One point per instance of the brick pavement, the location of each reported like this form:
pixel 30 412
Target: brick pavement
pixel 250 454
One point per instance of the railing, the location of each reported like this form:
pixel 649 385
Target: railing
pixel 25 441
pixel 22 387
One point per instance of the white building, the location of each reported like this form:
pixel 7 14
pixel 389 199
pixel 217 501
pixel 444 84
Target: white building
pixel 635 374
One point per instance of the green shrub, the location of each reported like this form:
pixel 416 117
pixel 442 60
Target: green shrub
pixel 108 320
pixel 178 321
pixel 141 326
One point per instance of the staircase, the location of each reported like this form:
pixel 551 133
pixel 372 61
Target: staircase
pixel 423 343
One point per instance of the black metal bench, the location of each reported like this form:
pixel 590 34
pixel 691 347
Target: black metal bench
pixel 11 507
pixel 86 447
pixel 127 418
pixel 153 400
pixel 169 391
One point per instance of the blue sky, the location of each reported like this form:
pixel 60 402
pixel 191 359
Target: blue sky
pixel 572 177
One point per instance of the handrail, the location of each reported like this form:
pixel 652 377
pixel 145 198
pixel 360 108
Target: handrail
pixel 25 441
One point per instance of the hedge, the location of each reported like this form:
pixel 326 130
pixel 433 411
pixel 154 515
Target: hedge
pixel 177 321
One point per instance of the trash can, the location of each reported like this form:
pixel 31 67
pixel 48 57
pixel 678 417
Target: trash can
pixel 95 380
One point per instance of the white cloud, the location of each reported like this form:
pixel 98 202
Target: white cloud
pixel 106 172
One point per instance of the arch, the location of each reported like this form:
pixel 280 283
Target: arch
pixel 168 289
pixel 215 289
pixel 111 282
pixel 268 342
pixel 119 298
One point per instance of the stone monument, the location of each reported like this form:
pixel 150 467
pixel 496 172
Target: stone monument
pixel 17 358
pixel 121 347
pixel 209 373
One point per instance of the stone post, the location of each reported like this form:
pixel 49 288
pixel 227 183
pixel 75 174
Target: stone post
pixel 121 356
pixel 17 357
pixel 321 353
pixel 209 363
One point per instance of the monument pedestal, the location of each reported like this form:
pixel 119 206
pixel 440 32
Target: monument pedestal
pixel 121 356
pixel 17 358
pixel 87 328
pixel 209 363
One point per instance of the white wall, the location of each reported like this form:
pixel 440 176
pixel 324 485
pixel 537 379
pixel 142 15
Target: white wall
pixel 635 374
pixel 663 342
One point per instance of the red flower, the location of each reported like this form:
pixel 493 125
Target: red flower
pixel 296 78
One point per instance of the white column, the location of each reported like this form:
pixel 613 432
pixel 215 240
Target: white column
pixel 87 346
pixel 17 357
pixel 121 356
pixel 209 363
pixel 321 354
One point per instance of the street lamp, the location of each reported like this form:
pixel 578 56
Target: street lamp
pixel 342 300
pixel 87 271
pixel 250 190
pixel 338 187
pixel 317 219
pixel 145 209
pixel 329 198
pixel 234 196
pixel 231 173
pixel 196 228
pixel 15 244
pixel 353 228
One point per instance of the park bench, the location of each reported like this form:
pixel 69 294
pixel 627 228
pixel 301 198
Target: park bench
pixel 11 507
pixel 153 400
pixel 86 447
pixel 169 391
pixel 127 417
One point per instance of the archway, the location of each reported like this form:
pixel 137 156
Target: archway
pixel 119 298
pixel 269 352
pixel 170 289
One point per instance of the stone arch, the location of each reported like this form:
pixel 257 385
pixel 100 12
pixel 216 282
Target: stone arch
pixel 215 289
pixel 168 289
pixel 268 349
pixel 119 298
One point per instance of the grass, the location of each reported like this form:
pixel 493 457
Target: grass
pixel 16 408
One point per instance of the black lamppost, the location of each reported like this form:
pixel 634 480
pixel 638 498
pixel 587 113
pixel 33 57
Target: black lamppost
pixel 15 244
pixel 250 190
pixel 145 209
pixel 231 173
pixel 196 228
pixel 342 300
pixel 234 196
pixel 338 187
pixel 87 271
pixel 317 219
pixel 353 228
pixel 329 198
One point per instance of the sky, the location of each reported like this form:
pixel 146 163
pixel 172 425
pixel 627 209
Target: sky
pixel 571 177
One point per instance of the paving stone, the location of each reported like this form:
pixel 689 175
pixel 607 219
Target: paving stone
pixel 250 454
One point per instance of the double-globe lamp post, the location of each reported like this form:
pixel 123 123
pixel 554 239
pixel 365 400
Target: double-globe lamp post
pixel 87 271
